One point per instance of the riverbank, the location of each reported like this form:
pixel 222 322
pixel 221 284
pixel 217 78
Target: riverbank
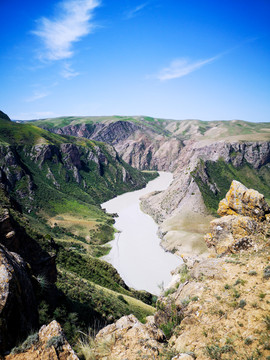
pixel 136 252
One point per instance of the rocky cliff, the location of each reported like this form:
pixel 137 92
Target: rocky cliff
pixel 21 166
pixel 138 145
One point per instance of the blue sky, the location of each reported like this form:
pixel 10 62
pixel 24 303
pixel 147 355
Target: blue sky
pixel 178 59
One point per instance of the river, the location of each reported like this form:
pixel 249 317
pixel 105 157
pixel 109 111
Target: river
pixel 136 253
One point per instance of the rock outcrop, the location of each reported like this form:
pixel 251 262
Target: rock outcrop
pixel 242 201
pixel 49 344
pixel 243 211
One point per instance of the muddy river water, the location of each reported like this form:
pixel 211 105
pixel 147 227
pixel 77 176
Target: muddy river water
pixel 136 253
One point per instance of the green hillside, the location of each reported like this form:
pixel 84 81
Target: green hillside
pixel 53 186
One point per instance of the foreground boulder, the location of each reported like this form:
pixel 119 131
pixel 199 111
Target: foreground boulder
pixel 243 214
pixel 48 344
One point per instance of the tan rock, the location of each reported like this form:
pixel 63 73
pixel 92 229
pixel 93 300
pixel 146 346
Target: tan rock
pixel 130 339
pixel 231 233
pixel 243 201
pixel 209 268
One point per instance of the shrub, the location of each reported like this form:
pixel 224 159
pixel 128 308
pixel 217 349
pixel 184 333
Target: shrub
pixel 267 322
pixel 252 273
pixel 248 341
pixel 57 342
pixel 27 344
pixel 242 303
pixel 121 297
pixel 215 352
pixel 266 272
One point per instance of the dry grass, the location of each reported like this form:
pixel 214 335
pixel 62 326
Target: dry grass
pixel 90 349
pixel 79 226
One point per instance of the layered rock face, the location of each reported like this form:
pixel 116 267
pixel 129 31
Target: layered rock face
pixel 243 211
pixel 138 145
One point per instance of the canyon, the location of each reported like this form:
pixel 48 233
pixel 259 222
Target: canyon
pixel 54 182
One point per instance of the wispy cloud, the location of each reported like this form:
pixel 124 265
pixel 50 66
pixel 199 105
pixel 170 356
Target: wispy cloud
pixel 134 12
pixel 58 34
pixel 37 95
pixel 182 67
pixel 68 72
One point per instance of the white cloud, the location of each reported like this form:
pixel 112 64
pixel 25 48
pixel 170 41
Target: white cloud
pixel 181 67
pixel 132 13
pixel 70 26
pixel 37 95
pixel 68 72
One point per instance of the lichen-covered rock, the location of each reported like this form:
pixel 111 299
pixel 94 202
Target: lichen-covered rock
pixel 18 308
pixel 229 232
pixel 240 200
pixel 51 345
pixel 243 212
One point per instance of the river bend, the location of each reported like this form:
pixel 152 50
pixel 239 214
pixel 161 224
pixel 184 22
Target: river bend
pixel 136 253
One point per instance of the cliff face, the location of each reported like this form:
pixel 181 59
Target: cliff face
pixel 97 170
pixel 138 145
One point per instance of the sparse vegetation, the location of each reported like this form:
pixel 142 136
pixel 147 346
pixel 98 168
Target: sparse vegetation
pixel 31 340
